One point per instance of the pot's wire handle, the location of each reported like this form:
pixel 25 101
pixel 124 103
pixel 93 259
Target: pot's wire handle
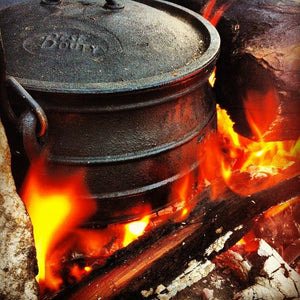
pixel 33 124
pixel 34 106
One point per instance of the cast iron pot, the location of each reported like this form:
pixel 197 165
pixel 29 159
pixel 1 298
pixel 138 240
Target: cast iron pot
pixel 119 89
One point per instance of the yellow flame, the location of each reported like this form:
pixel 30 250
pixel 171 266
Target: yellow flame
pixel 135 229
pixel 212 78
pixel 53 209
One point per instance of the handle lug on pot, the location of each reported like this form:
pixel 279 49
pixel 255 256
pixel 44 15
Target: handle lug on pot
pixel 27 126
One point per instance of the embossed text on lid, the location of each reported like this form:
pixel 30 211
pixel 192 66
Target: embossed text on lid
pixel 73 44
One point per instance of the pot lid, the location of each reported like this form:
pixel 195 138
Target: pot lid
pixel 89 46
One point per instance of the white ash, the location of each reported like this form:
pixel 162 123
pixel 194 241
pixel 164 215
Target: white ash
pixel 146 294
pixel 18 262
pixel 218 244
pixel 195 272
pixel 239 227
pixel 160 288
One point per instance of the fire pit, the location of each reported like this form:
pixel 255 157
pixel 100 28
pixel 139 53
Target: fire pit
pixel 163 220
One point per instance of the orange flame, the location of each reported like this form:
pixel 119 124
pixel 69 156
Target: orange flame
pixel 184 192
pixel 280 208
pixel 210 7
pixel 261 110
pixel 101 243
pixel 55 207
pixel 226 154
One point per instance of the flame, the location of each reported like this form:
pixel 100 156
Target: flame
pixel 102 243
pixel 273 211
pixel 55 207
pixel 227 155
pixel 255 104
pixel 210 7
pixel 135 229
pixel 183 195
pixel 183 192
pixel 212 78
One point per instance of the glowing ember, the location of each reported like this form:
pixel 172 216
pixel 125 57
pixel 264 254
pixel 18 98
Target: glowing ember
pixel 96 245
pixel 78 273
pixel 55 208
pixel 279 227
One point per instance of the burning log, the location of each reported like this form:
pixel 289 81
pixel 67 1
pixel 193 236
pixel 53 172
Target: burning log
pixel 18 263
pixel 275 280
pixel 155 260
pixel 248 270
pixel 258 67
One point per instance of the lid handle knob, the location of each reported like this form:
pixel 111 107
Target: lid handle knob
pixel 50 2
pixel 114 4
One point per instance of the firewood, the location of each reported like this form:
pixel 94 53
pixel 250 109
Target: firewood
pixel 275 280
pixel 254 271
pixel 156 259
pixel 18 261
pixel 258 69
